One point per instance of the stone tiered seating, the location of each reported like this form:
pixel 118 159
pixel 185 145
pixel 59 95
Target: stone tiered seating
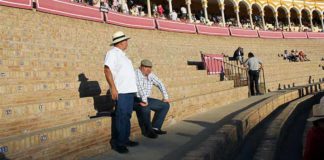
pixel 42 56
pixel 42 112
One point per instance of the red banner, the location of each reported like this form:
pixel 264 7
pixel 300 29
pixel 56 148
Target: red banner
pixel 270 34
pixel 294 35
pixel 214 63
pixel 237 32
pixel 70 9
pixel 315 35
pixel 212 30
pixel 130 21
pixel 174 26
pixel 26 4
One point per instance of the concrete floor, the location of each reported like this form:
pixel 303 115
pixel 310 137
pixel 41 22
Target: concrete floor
pixel 183 135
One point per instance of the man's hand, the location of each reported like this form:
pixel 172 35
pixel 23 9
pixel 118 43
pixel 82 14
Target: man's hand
pixel 166 100
pixel 114 93
pixel 143 104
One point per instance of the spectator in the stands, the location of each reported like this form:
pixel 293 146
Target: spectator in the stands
pixel 291 57
pixel 183 12
pixel 174 15
pixel 302 56
pixel 285 55
pixel 160 10
pixel 315 136
pixel 239 54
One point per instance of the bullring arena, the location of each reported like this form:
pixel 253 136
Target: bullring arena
pixel 55 101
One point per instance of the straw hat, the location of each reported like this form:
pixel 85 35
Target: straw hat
pixel 318 113
pixel 118 36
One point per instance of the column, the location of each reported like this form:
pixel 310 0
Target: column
pixel 237 11
pixel 311 21
pixel 205 5
pixel 222 8
pixel 251 19
pixel 188 2
pixel 321 17
pixel 122 5
pixel 300 20
pixel 263 22
pixel 276 19
pixel 289 23
pixel 149 10
pixel 170 7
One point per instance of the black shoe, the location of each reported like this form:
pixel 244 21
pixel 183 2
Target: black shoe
pixel 120 149
pixel 151 134
pixel 259 94
pixel 132 144
pixel 159 131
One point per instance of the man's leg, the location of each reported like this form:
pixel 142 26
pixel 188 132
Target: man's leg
pixel 256 81
pixel 144 117
pixel 251 83
pixel 161 109
pixel 122 116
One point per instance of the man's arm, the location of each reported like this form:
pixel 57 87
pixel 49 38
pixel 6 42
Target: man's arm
pixel 109 78
pixel 157 82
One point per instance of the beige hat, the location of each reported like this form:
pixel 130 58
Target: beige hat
pixel 318 112
pixel 146 62
pixel 118 36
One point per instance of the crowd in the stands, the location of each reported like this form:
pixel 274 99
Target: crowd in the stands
pixel 294 56
pixel 139 8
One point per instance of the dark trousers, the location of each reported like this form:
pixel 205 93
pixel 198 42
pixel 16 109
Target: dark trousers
pixel 254 82
pixel 144 114
pixel 121 119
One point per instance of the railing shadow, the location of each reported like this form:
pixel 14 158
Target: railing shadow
pixel 103 104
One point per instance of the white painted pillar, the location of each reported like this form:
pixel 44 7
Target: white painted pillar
pixel 237 11
pixel 205 5
pixel 311 21
pixel 222 8
pixel 188 2
pixel 263 21
pixel 170 7
pixel 321 17
pixel 149 10
pixel 300 19
pixel 251 19
pixel 289 23
pixel 276 20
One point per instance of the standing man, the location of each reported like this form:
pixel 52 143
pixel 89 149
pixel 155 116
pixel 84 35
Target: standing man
pixel 144 104
pixel 254 69
pixel 120 76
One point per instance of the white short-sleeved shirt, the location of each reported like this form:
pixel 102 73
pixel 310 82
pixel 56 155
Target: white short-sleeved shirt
pixel 122 71
pixel 253 63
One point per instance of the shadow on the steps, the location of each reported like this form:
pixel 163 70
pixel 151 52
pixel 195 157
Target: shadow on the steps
pixel 201 136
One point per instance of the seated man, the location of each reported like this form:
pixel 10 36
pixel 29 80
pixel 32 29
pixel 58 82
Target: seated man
pixel 144 104
pixel 238 54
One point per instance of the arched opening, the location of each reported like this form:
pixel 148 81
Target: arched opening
pixel 197 10
pixel 244 14
pixel 256 16
pixel 269 17
pixel 282 17
pixel 305 18
pixel 230 15
pixel 214 12
pixel 316 20
pixel 294 19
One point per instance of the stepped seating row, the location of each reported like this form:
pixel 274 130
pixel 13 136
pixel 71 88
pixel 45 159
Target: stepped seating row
pixel 226 140
pixel 48 139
